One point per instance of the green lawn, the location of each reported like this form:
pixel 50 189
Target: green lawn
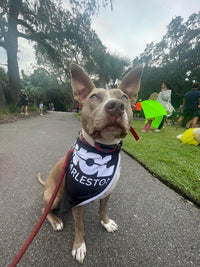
pixel 176 164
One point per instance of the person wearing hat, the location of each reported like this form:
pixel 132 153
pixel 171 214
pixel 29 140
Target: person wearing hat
pixel 23 102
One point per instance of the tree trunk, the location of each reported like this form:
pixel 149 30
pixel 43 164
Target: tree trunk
pixel 12 47
pixel 2 97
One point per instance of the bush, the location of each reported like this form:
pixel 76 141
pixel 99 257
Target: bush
pixel 33 108
pixel 9 109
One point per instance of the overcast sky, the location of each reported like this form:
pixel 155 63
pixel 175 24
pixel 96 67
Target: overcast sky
pixel 128 28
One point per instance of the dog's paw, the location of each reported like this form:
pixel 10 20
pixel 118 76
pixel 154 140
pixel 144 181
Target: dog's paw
pixel 57 224
pixel 79 253
pixel 111 226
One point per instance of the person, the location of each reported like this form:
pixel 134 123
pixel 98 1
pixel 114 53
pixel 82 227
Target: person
pixel 138 108
pixel 52 106
pixel 153 112
pixel 191 104
pixel 164 97
pixel 41 106
pixel 23 102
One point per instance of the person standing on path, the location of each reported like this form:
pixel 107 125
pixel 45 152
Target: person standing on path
pixel 41 106
pixel 23 102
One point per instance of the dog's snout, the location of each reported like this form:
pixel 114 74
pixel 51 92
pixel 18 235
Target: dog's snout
pixel 115 107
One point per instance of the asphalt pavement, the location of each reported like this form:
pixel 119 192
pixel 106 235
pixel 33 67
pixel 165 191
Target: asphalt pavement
pixel 157 227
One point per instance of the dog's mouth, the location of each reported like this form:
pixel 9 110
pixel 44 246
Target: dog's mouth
pixel 115 128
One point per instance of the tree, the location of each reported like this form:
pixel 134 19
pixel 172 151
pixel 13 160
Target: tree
pixel 50 26
pixel 176 58
pixel 44 86
pixel 106 67
pixel 70 41
pixel 3 86
pixel 116 69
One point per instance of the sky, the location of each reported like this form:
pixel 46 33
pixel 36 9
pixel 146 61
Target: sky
pixel 127 29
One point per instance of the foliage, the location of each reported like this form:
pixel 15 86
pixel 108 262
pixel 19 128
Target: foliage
pixel 167 158
pixel 89 7
pixel 44 86
pixel 175 59
pixel 71 40
pixel 9 109
pixel 60 35
pixel 3 87
pixel 108 68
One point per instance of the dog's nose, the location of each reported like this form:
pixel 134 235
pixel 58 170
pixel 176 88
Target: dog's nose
pixel 115 107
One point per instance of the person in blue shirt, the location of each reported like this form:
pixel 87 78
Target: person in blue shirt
pixel 191 104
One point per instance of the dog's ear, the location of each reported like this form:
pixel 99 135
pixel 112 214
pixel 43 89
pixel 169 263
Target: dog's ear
pixel 130 83
pixel 81 83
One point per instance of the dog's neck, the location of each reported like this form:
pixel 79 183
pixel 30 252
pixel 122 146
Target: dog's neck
pixel 103 141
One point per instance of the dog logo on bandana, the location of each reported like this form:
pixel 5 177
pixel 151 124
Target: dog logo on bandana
pixel 92 163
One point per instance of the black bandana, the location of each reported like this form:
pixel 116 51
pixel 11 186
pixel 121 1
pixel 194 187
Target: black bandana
pixel 90 173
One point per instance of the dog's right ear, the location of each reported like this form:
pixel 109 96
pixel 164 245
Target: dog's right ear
pixel 81 83
pixel 130 83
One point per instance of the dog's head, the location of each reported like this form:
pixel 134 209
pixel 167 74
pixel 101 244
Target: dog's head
pixel 106 114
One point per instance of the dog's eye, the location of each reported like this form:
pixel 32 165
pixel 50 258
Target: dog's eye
pixel 124 97
pixel 94 96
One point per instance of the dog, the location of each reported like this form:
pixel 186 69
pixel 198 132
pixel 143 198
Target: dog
pixel 106 119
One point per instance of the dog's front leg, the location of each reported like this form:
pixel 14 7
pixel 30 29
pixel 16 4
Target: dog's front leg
pixel 106 222
pixel 79 247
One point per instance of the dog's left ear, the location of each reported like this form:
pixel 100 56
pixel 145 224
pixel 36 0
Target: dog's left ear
pixel 81 83
pixel 130 83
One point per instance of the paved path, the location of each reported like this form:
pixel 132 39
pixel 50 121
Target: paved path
pixel 156 226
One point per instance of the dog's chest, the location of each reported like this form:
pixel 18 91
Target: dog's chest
pixel 90 173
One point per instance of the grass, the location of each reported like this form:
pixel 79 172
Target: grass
pixel 78 115
pixel 12 113
pixel 15 110
pixel 10 109
pixel 167 158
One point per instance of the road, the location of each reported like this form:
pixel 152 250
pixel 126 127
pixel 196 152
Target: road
pixel 157 227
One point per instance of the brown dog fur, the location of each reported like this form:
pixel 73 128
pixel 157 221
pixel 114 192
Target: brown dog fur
pixel 106 118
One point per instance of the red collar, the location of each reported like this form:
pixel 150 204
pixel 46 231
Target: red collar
pixel 111 148
pixel 102 147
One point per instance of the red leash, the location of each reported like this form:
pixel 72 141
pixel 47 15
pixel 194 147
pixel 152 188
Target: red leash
pixel 44 215
pixel 134 133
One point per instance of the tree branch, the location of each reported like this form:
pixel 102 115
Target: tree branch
pixel 34 36
pixel 26 25
pixel 25 36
